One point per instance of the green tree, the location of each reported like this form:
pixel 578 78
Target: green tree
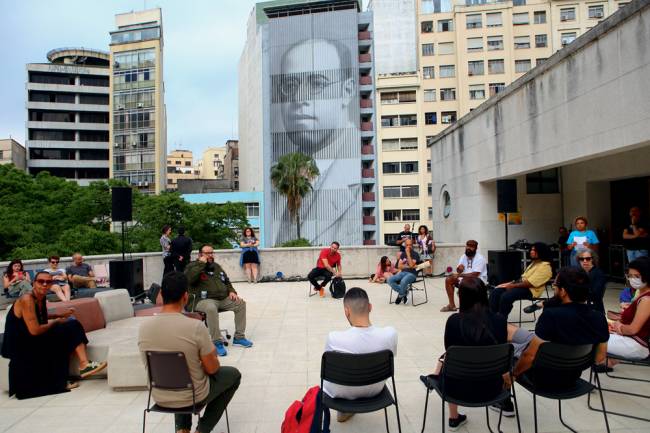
pixel 292 177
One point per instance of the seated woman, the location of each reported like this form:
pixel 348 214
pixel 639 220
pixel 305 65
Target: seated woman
pixel 250 257
pixel 473 325
pixel 16 281
pixel 588 260
pixel 385 269
pixel 629 336
pixel 60 284
pixel 39 345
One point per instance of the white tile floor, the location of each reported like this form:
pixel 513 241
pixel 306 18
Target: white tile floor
pixel 289 332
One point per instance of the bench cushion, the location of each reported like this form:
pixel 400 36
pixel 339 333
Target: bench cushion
pixel 87 311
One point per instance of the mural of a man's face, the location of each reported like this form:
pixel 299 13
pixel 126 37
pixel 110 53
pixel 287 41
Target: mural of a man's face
pixel 316 93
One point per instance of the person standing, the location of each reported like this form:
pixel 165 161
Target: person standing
pixel 250 256
pixel 181 250
pixel 328 265
pixel 581 239
pixel 636 239
pixel 165 243
pixel 403 236
pixel 426 247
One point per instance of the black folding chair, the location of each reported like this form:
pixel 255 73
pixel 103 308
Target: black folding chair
pixel 532 301
pixel 555 361
pixel 191 305
pixel 473 363
pixel 169 371
pixel 350 369
pixel 310 289
pixel 419 285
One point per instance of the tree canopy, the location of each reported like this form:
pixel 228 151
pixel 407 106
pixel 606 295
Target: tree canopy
pixel 45 215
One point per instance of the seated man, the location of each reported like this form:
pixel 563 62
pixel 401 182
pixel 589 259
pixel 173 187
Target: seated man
pixel 531 284
pixel 80 274
pixel 471 264
pixel 328 265
pixel 409 264
pixel 213 292
pixel 362 337
pixel 171 331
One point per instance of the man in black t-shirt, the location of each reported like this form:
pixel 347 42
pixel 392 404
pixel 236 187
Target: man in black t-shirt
pixel 404 235
pixel 636 239
pixel 181 250
pixel 407 263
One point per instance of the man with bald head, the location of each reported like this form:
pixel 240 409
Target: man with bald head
pixel 80 274
pixel 362 337
pixel 407 263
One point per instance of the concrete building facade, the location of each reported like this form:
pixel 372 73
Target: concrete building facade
pixel 231 163
pixel 138 130
pixel 12 152
pixel 180 165
pixel 68 115
pixel 212 163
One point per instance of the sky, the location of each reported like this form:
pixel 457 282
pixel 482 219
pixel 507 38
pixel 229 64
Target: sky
pixel 203 41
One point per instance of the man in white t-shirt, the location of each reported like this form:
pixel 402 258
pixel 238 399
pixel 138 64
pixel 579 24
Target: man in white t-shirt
pixel 362 337
pixel 471 264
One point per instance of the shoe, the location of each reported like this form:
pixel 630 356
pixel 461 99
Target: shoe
pixel 221 349
pixel 398 300
pixel 532 308
pixel 321 291
pixel 405 299
pixel 455 423
pixel 92 368
pixel 343 417
pixel 602 368
pixel 71 385
pixel 448 309
pixel 242 342
pixel 506 406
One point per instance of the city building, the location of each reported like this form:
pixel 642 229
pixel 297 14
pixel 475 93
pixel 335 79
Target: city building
pixel 466 52
pixel 204 186
pixel 12 152
pixel 180 165
pixel 211 165
pixel 231 163
pixel 68 115
pixel 138 131
pixel 306 86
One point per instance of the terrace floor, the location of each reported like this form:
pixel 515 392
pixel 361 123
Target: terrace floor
pixel 289 332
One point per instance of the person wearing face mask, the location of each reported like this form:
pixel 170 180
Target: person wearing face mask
pixel 471 264
pixel 361 337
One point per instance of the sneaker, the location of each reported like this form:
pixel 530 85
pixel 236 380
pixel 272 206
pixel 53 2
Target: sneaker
pixel 242 342
pixel 506 406
pixel 398 300
pixel 447 309
pixel 221 349
pixel 455 423
pixel 532 308
pixel 405 299
pixel 92 368
pixel 321 291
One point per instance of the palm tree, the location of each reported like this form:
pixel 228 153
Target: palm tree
pixel 292 177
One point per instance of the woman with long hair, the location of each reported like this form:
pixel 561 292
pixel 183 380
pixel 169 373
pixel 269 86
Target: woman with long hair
pixel 15 280
pixel 166 244
pixel 385 269
pixel 426 247
pixel 250 257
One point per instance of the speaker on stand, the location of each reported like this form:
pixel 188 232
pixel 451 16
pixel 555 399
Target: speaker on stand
pixel 125 274
pixel 507 200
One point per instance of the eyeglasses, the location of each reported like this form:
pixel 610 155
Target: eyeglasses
pixel 585 259
pixel 314 85
pixel 54 261
pixel 208 253
pixel 44 282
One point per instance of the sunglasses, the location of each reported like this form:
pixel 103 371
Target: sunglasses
pixel 54 261
pixel 44 282
pixel 585 259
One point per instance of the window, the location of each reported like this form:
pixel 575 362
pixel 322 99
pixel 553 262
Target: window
pixel 519 2
pixel 474 21
pixel 391 238
pixel 540 61
pixel 430 213
pixel 410 191
pixel 596 12
pixel 399 144
pixel 427 72
pixel 494 43
pixel 390 144
pixel 475 67
pixel 446 48
pixel 543 182
pixel 399 167
pixel 622 5
pixel 428 166
pixel 389 121
pixel 252 210
pixel 427 50
pixel 477 91
pixel 408 120
pixel 392 192
pixel 426 7
pixel 541 41
pixel 405 191
pixel 430 118
pixel 568 14
pixel 539 17
pixel 406 97
pixel 496 88
pixel 445 25
pixel 496 66
pixel 447 117
pixel 390 167
pixel 447 71
pixel 522 66
pixel 411 215
pixel 446 204
pixel 493 19
pixel 474 44
pixel 448 94
pixel 429 189
pixel 426 26
pixel 567 38
pixel 389 98
pixel 392 215
pixel 522 42
pixel 409 167
pixel 429 95
pixel 520 19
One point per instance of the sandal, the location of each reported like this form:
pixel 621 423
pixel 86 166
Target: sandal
pixel 448 309
pixel 71 385
pixel 92 368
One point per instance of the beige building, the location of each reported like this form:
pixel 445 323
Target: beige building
pixel 180 165
pixel 212 164
pixel 231 163
pixel 12 152
pixel 138 130
pixel 466 52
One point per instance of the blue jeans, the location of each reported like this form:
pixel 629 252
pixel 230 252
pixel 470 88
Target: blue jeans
pixel 635 254
pixel 400 282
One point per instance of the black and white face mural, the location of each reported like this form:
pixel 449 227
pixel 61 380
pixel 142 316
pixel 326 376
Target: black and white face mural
pixel 314 109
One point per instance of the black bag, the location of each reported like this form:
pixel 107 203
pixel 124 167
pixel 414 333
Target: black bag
pixel 337 288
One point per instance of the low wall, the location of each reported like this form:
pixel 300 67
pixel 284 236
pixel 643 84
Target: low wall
pixel 357 262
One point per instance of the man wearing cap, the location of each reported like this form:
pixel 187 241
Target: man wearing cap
pixel 471 264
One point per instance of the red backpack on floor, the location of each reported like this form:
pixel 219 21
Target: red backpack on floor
pixel 303 416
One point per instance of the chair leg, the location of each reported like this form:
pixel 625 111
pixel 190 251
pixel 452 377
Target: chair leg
pixel 514 398
pixel 426 404
pixel 602 402
pixel 559 406
pixel 227 421
pixel 144 420
pixel 443 415
pixel 399 422
pixel 386 420
pixel 487 419
pixel 535 410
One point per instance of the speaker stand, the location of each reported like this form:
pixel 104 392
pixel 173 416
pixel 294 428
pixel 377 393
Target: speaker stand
pixel 505 219
pixel 124 235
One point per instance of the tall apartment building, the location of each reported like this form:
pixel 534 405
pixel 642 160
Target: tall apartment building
pixel 12 152
pixel 211 165
pixel 231 163
pixel 68 115
pixel 466 51
pixel 139 128
pixel 180 165
pixel 306 85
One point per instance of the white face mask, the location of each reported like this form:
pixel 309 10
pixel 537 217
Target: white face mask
pixel 636 283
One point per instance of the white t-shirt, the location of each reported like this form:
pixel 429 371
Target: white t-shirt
pixel 55 273
pixel 475 264
pixel 359 340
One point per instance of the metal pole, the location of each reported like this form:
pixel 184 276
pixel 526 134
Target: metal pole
pixel 123 241
pixel 505 220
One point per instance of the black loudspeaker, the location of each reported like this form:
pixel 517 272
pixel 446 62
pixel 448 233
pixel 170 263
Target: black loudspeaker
pixel 504 266
pixel 122 204
pixel 507 196
pixel 127 274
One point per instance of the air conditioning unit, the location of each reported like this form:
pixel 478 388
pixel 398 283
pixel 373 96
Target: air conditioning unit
pixel 140 105
pixel 598 14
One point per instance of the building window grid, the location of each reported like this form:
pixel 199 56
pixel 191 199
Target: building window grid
pixel 477 91
pixel 445 25
pixel 474 44
pixel 391 144
pixel 567 38
pixel 475 67
pixel 539 17
pixel 429 95
pixel 445 48
pixel 596 11
pixel 430 118
pixel 428 50
pixel 522 66
pixel 496 88
pixel 567 14
pixel 448 94
pixel 428 72
pixel 448 117
pixel 496 66
pixel 541 41
pixel 521 18
pixel 495 43
pixel 522 42
pixel 493 19
pixel 447 71
pixel 474 21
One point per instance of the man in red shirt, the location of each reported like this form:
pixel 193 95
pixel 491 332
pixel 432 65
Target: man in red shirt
pixel 327 266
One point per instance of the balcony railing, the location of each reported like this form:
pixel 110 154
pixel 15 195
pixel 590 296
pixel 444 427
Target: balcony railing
pixel 366 103
pixel 366 126
pixel 367 149
pixel 365 80
pixel 364 35
pixel 365 58
pixel 368 220
pixel 368 172
pixel 368 196
pixel 369 242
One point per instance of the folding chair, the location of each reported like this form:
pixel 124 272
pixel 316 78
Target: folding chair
pixel 310 290
pixel 351 369
pixel 532 301
pixel 412 288
pixel 558 360
pixel 223 331
pixel 471 363
pixel 169 371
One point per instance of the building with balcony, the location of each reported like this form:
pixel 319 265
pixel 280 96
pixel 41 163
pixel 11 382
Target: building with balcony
pixel 307 85
pixel 212 163
pixel 231 163
pixel 180 165
pixel 138 131
pixel 12 152
pixel 68 115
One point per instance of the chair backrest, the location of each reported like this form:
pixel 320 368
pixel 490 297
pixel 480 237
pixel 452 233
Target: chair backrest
pixel 477 362
pixel 116 304
pixel 168 370
pixel 564 358
pixel 357 369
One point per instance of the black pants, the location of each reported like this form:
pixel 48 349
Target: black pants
pixel 501 300
pixel 168 262
pixel 319 273
pixel 180 264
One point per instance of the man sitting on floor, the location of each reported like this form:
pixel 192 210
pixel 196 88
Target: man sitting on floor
pixel 328 265
pixel 471 264
pixel 362 337
pixel 409 264
pixel 171 331
pixel 80 274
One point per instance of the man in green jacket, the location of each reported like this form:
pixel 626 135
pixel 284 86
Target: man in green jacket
pixel 213 292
